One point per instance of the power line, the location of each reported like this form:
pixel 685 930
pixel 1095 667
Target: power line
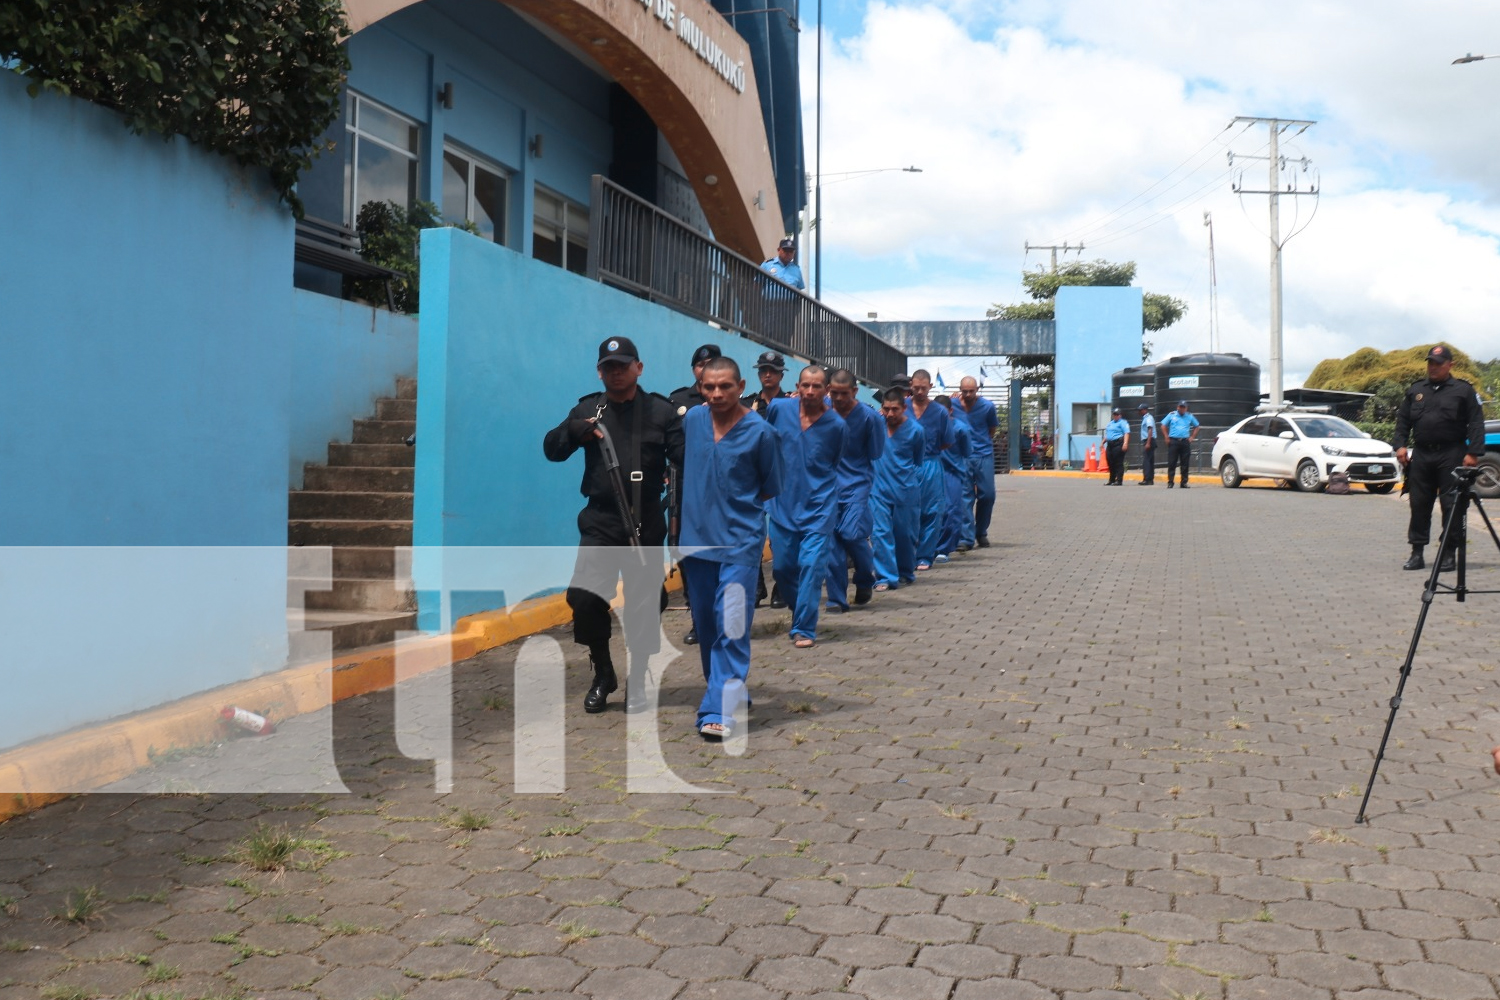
pixel 1104 221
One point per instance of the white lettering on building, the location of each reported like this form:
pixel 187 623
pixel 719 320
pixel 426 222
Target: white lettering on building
pixel 694 37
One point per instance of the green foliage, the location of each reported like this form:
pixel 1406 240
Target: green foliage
pixel 1160 311
pixel 255 80
pixel 389 235
pixel 1367 370
pixel 1024 310
pixel 1041 284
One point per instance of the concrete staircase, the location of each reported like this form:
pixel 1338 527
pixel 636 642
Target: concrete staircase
pixel 360 504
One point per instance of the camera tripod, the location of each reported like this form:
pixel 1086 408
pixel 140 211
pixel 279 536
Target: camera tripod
pixel 1455 530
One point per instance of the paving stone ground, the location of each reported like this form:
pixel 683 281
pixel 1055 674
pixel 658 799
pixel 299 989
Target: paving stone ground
pixel 1118 754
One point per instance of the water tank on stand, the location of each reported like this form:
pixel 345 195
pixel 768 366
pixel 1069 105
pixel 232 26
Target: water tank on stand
pixel 1220 390
pixel 1128 390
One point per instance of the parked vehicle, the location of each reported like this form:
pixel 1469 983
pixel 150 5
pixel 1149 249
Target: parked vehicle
pixel 1488 483
pixel 1304 449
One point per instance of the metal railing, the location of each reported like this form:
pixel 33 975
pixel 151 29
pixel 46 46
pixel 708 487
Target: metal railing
pixel 637 247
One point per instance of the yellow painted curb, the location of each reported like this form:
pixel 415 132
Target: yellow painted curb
pixel 97 755
pixel 1197 478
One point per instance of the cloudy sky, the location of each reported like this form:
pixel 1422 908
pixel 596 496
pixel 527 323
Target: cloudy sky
pixel 1053 121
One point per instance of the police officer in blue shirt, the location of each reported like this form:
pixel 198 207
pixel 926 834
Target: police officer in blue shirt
pixel 784 265
pixel 1116 437
pixel 1181 428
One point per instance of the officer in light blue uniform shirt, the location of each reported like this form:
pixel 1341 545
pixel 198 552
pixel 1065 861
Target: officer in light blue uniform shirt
pixel 1148 445
pixel 1116 437
pixel 784 265
pixel 1180 428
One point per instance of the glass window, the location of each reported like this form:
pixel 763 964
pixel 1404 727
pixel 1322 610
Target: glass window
pixel 475 191
pixel 1328 427
pixel 380 158
pixel 560 231
pixel 1256 426
pixel 1278 425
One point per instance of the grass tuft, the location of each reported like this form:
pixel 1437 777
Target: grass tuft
pixel 80 905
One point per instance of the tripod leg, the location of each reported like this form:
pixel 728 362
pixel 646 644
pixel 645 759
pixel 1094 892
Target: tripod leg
pixel 1411 654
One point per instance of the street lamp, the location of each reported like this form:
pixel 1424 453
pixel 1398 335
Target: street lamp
pixel 817 220
pixel 1471 57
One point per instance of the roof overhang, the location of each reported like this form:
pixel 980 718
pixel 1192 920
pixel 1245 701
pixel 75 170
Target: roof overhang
pixel 690 71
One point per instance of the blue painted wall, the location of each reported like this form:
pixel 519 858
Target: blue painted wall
pixel 144 347
pixel 344 356
pixel 1098 333
pixel 507 346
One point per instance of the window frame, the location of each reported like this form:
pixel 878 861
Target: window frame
pixel 357 136
pixel 569 234
pixel 475 162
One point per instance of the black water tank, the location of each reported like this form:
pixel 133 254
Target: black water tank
pixel 1128 390
pixel 1220 390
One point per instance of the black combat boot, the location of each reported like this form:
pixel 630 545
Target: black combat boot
pixel 605 682
pixel 1416 561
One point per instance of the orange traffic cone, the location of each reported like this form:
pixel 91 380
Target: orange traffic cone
pixel 1090 460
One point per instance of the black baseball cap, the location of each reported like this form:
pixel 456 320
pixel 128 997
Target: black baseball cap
pixel 770 359
pixel 1144 406
pixel 705 353
pixel 1116 411
pixel 1182 402
pixel 901 378
pixel 787 244
pixel 1440 353
pixel 618 349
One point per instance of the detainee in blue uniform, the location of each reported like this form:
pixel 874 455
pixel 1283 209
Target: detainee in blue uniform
pixel 864 440
pixel 983 420
pixel 804 511
pixel 937 429
pixel 731 467
pixel 896 496
pixel 957 489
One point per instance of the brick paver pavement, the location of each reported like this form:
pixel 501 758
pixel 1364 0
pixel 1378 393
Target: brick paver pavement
pixel 1117 755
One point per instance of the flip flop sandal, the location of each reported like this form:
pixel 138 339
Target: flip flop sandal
pixel 713 731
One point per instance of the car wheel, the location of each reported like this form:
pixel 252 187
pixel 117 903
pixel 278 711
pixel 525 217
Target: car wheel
pixel 1487 483
pixel 1229 472
pixel 1307 477
pixel 1380 488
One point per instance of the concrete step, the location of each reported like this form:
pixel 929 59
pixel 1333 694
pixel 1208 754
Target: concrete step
pixel 336 532
pixel 352 594
pixel 383 431
pixel 331 505
pixel 351 630
pixel 396 409
pixel 406 388
pixel 364 561
pixel 357 479
pixel 389 456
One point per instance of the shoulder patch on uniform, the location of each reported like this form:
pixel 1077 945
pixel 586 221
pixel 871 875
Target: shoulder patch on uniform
pixel 681 410
pixel 1419 397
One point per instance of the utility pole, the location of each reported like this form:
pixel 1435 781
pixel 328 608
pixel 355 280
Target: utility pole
pixel 1064 248
pixel 1213 283
pixel 1275 192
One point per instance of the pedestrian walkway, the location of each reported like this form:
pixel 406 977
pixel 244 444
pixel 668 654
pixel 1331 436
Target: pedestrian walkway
pixel 1118 754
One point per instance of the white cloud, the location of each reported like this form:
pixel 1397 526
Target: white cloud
pixel 1036 124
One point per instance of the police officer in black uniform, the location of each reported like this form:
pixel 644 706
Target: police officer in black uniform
pixel 1445 419
pixel 647 435
pixel 686 396
pixel 771 367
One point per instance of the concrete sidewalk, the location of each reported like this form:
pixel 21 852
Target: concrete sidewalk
pixel 1117 754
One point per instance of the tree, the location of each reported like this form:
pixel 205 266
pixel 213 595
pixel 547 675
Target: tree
pixel 1157 311
pixel 1386 376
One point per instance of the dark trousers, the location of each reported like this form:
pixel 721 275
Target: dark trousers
pixel 1429 477
pixel 1178 450
pixel 1114 457
pixel 1148 462
pixel 605 558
